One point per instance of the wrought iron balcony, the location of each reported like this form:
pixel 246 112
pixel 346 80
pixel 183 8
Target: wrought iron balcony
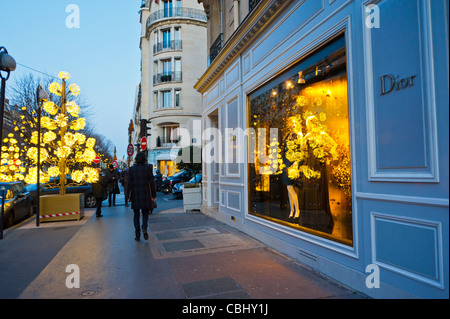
pixel 215 48
pixel 166 141
pixel 252 4
pixel 167 77
pixel 167 46
pixel 182 12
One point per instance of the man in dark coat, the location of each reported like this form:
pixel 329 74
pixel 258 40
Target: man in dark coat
pixel 99 190
pixel 141 190
pixel 112 179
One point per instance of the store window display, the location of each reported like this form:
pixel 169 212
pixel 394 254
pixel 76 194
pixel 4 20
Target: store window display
pixel 301 177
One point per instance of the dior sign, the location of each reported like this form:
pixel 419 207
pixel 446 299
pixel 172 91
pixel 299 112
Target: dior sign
pixel 390 82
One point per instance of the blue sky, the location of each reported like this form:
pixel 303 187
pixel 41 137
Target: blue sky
pixel 102 55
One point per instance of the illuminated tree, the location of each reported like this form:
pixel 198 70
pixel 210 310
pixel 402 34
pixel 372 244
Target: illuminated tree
pixel 11 168
pixel 63 151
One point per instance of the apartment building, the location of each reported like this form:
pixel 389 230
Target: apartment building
pixel 173 57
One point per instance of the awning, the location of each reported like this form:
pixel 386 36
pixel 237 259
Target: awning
pixel 166 157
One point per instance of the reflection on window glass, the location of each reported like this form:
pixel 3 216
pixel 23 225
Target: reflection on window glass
pixel 8 194
pixel 299 167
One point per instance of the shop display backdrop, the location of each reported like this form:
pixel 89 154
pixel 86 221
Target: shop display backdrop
pixel 301 176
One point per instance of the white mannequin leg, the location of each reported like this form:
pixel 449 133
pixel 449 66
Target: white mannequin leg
pixel 293 202
pixel 292 198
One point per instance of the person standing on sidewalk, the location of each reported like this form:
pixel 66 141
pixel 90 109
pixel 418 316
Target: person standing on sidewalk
pixel 99 190
pixel 141 190
pixel 112 178
pixel 124 183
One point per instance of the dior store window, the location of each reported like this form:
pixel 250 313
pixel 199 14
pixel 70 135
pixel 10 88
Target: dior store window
pixel 299 172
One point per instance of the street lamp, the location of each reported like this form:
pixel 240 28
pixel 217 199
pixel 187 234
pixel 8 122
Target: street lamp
pixel 7 64
pixel 42 96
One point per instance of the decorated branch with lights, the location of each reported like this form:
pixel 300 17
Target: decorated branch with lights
pixel 64 151
pixel 313 141
pixel 11 168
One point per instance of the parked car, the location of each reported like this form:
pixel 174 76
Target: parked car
pixel 177 190
pixel 18 202
pixel 46 189
pixel 171 181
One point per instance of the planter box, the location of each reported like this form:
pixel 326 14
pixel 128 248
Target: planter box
pixel 61 207
pixel 192 198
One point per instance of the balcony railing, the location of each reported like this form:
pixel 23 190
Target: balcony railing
pixel 252 4
pixel 167 46
pixel 215 48
pixel 167 77
pixel 176 13
pixel 167 141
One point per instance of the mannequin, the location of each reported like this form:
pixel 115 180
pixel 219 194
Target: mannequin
pixel 293 202
pixel 293 196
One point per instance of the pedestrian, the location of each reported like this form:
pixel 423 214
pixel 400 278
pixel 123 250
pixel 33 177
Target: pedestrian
pixel 99 190
pixel 112 178
pixel 123 174
pixel 141 190
pixel 125 183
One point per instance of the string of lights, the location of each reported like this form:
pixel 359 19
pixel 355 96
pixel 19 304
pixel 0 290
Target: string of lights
pixel 52 76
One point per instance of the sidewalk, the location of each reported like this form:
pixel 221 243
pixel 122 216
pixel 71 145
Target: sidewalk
pixel 188 255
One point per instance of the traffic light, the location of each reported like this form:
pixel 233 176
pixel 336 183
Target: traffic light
pixel 144 128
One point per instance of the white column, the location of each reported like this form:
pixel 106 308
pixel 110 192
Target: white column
pixel 236 13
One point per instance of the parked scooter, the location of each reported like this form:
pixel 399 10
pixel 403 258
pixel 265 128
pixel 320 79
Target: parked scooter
pixel 159 181
pixel 165 186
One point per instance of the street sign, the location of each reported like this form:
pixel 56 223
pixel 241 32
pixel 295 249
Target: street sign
pixel 131 127
pixel 143 143
pixel 115 164
pixel 130 150
pixel 97 160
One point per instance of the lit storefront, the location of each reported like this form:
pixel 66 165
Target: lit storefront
pixel 338 111
pixel 304 178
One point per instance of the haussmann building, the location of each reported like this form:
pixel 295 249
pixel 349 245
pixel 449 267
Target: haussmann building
pixel 333 147
pixel 173 57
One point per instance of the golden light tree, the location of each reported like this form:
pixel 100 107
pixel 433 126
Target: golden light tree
pixel 11 168
pixel 64 151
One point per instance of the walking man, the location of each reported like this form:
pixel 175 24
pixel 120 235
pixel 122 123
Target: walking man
pixel 112 178
pixel 141 191
pixel 99 190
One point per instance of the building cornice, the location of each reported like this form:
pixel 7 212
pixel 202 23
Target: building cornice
pixel 206 6
pixel 255 23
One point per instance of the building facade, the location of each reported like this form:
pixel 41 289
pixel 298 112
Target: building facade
pixel 326 124
pixel 173 57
